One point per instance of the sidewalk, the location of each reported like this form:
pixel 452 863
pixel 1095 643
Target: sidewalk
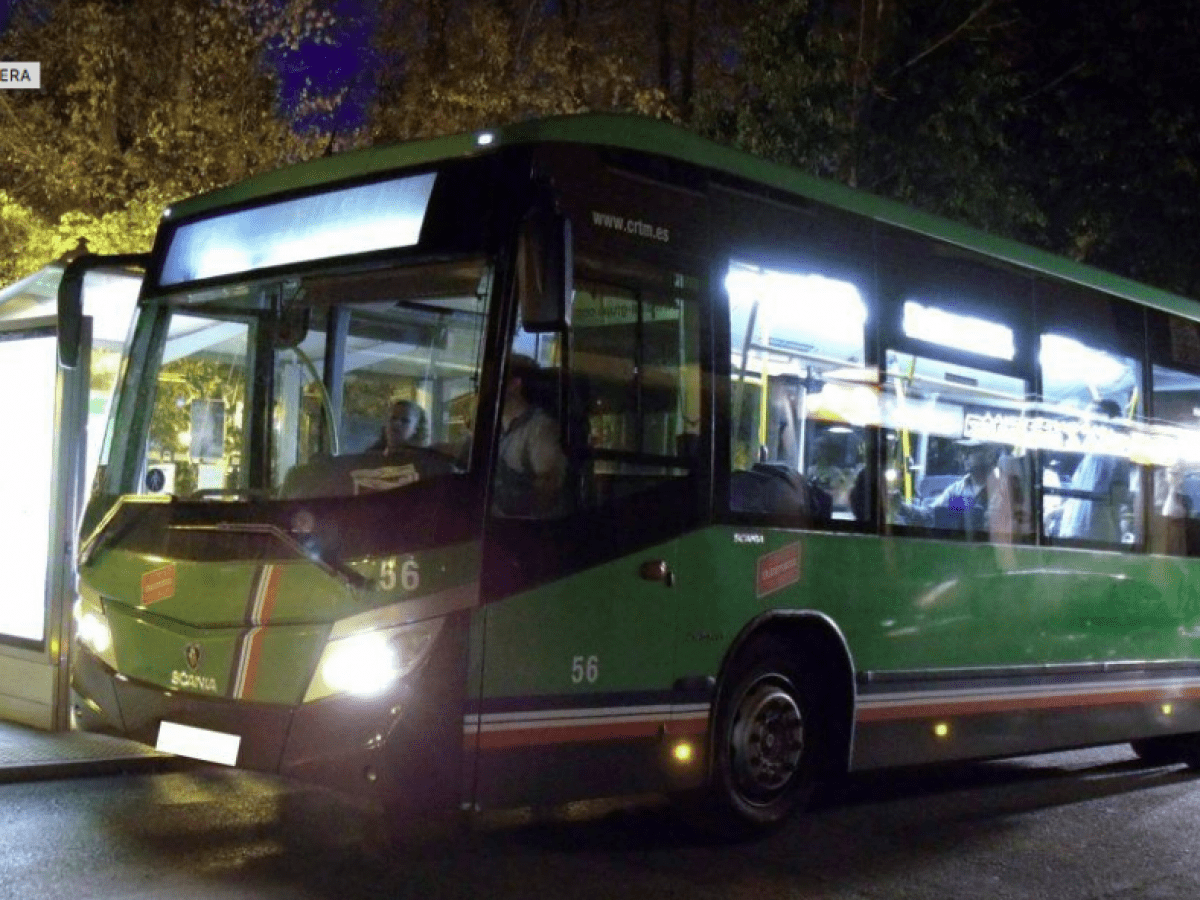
pixel 27 754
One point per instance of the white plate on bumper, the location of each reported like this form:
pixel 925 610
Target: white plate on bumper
pixel 198 743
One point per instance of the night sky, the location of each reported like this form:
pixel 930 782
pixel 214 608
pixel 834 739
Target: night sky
pixel 344 61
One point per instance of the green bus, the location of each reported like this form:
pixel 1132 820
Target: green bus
pixel 585 457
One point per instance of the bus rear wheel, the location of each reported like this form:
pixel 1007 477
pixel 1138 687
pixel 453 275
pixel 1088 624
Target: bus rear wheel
pixel 765 743
pixel 1169 750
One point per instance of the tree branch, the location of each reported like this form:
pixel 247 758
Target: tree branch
pixel 1053 82
pixel 950 35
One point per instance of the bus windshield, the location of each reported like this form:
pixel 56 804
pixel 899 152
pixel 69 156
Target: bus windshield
pixel 324 385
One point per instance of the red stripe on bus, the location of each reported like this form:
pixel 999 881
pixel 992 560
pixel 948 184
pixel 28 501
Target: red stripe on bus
pixel 542 735
pixel 976 706
pixel 253 651
pixel 566 734
pixel 270 593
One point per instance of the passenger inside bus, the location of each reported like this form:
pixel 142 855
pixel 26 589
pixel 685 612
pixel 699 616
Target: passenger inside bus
pixel 961 503
pixel 829 472
pixel 1104 482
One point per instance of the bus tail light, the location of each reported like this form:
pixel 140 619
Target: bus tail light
pixel 367 664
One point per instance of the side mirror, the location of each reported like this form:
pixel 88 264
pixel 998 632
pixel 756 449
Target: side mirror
pixel 292 328
pixel 70 298
pixel 544 269
pixel 70 311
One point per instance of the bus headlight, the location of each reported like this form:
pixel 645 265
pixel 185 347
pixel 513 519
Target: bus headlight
pixel 91 627
pixel 367 664
pixel 95 634
pixel 363 665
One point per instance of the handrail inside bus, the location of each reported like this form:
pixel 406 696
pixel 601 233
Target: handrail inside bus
pixel 326 401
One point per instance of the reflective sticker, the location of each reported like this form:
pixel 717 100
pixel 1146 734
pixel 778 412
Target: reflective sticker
pixel 158 584
pixel 383 478
pixel 198 743
pixel 778 569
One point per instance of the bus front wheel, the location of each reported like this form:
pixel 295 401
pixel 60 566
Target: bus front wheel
pixel 765 742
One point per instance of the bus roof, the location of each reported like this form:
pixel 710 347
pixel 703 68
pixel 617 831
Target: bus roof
pixel 665 139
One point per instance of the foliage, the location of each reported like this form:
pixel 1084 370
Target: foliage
pixel 462 66
pixel 1075 131
pixel 915 101
pixel 147 102
pixel 1113 135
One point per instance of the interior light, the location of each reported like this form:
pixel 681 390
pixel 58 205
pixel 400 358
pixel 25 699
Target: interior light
pixel 683 752
pixel 1167 709
pixel 966 333
pixel 941 730
pixel 828 307
pixel 485 138
pixel 1065 359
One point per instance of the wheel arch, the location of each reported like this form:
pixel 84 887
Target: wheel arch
pixel 826 661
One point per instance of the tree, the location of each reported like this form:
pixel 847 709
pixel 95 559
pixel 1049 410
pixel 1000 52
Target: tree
pixel 451 66
pixel 914 101
pixel 146 102
pixel 1113 135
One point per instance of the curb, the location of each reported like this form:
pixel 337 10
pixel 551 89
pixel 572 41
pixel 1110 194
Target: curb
pixel 50 770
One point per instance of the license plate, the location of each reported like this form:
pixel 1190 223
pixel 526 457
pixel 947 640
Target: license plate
pixel 198 743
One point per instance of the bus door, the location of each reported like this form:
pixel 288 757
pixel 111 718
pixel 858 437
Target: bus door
pixel 579 684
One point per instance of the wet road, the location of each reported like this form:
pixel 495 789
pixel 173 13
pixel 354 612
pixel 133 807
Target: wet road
pixel 1090 824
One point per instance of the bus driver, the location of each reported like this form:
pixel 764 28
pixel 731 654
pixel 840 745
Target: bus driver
pixel 531 467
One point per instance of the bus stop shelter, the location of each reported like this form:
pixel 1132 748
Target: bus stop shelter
pixel 53 427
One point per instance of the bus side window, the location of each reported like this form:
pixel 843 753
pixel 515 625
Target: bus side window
pixel 1091 443
pixel 941 470
pixel 801 396
pixel 636 375
pixel 1091 493
pixel 1175 511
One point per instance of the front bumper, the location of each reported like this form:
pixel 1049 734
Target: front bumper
pixel 402 749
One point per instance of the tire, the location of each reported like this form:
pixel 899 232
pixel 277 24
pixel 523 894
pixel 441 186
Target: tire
pixel 1169 750
pixel 765 742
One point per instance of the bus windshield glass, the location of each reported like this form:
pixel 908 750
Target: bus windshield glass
pixel 312 386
